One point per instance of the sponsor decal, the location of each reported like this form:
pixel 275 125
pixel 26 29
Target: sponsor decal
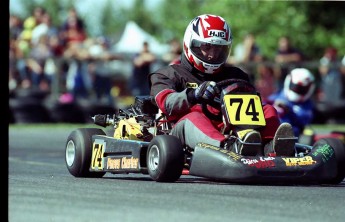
pixel 262 162
pixel 113 164
pixel 304 161
pixel 122 163
pixel 231 154
pixel 129 163
pixel 216 33
pixel 205 145
pixel 326 151
pixel 192 85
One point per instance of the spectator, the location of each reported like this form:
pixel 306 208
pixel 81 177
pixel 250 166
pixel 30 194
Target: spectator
pixel 266 82
pixel 141 68
pixel 16 26
pixel 73 29
pixel 247 51
pixel 22 52
pixel 73 17
pixel 174 55
pixel 78 81
pixel 246 55
pixel 294 102
pixel 39 54
pixel 44 28
pixel 73 37
pixel 13 75
pixel 287 57
pixel 100 69
pixel 330 98
pixel 330 87
pixel 32 21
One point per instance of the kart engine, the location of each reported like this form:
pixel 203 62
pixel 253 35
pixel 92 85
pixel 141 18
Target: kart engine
pixel 139 122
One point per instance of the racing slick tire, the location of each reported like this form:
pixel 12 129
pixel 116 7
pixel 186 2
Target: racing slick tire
pixel 339 152
pixel 165 158
pixel 79 150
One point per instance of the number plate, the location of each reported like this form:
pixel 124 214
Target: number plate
pixel 97 154
pixel 244 109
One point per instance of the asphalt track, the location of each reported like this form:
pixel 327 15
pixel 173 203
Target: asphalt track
pixel 40 188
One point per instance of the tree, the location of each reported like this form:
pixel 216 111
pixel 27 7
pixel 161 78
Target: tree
pixel 312 25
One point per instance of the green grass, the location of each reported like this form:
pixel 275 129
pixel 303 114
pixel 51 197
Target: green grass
pixel 328 127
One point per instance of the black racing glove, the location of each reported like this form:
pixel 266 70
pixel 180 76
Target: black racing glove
pixel 206 91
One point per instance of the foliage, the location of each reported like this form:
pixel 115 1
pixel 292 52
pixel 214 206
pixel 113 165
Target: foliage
pixel 177 14
pixel 310 24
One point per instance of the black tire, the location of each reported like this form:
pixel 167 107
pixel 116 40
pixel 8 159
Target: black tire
pixel 33 93
pixel 29 110
pixel 339 152
pixel 67 113
pixel 11 116
pixel 78 151
pixel 165 158
pixel 95 109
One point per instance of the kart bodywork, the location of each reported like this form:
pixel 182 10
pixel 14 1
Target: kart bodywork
pixel 140 143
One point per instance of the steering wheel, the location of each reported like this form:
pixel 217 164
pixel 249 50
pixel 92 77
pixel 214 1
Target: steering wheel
pixel 226 86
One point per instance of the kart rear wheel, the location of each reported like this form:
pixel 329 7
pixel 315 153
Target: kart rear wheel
pixel 79 150
pixel 165 158
pixel 339 152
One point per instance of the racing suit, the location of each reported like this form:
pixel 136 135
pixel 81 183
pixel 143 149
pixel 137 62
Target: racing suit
pixel 170 88
pixel 298 114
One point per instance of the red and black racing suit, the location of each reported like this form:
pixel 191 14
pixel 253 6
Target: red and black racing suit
pixel 170 86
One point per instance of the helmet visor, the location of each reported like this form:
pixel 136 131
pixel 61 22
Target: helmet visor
pixel 210 53
pixel 299 89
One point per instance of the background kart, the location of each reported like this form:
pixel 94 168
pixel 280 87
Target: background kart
pixel 140 143
pixel 309 136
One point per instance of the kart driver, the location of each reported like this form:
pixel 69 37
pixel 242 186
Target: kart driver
pixel 179 89
pixel 294 102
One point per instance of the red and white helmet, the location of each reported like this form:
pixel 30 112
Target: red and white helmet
pixel 209 33
pixel 299 85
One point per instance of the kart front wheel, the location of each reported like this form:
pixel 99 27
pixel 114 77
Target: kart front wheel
pixel 165 158
pixel 79 150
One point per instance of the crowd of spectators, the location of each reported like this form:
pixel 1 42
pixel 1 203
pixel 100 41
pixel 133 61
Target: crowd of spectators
pixel 41 53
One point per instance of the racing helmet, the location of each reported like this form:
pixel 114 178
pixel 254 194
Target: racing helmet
pixel 207 43
pixel 299 85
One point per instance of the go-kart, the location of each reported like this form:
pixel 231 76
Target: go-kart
pixel 139 142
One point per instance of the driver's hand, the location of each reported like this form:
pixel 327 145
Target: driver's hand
pixel 206 91
pixel 281 107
